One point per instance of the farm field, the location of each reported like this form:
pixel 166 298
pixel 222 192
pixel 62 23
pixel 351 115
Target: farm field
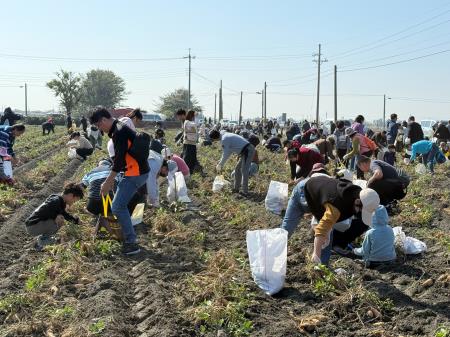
pixel 192 277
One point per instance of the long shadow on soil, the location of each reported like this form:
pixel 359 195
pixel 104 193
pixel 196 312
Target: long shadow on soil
pixel 400 299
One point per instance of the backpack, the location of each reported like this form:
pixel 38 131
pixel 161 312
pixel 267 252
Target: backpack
pixel 140 147
pixel 253 139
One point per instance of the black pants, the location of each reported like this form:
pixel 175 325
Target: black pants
pixel 388 190
pixel 359 173
pixel 83 153
pixel 342 239
pixel 341 153
pixel 190 156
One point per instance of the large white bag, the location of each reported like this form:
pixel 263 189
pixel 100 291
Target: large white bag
pixel 138 214
pixel 267 252
pixel 277 197
pixel 408 244
pixel 360 182
pixel 219 183
pixel 72 153
pixel 421 168
pixel 177 189
pixel 7 168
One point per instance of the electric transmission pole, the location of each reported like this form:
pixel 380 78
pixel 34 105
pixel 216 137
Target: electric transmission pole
pixel 265 100
pixel 215 108
pixel 319 62
pixel 220 102
pixel 190 57
pixel 335 94
pixel 240 111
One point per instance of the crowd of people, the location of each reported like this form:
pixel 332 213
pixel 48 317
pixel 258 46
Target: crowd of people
pixel 344 210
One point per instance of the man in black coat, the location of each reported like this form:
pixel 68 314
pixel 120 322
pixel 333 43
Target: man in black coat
pixel 415 132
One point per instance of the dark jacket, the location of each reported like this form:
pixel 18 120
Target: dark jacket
pixel 10 116
pixel 53 206
pixel 442 133
pixel 123 137
pixel 415 132
pixel 338 192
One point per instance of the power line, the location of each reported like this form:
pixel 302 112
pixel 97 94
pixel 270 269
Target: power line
pixel 396 55
pixel 72 59
pixel 350 52
pixel 398 62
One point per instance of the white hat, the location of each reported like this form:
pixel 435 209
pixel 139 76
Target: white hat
pixel 370 201
pixel 346 174
pixel 166 153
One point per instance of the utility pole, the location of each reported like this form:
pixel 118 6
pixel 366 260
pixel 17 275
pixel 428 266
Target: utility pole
pixel 220 102
pixel 262 104
pixel 265 100
pixel 240 111
pixel 189 57
pixel 215 108
pixel 335 94
pixel 319 62
pixel 26 100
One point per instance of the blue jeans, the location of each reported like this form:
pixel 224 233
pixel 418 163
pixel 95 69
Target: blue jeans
pixel 126 189
pixel 296 208
pixel 430 157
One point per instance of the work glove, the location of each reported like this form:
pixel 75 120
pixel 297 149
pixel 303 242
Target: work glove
pixel 346 157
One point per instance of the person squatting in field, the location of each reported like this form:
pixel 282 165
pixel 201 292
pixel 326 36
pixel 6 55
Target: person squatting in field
pixel 82 145
pixel 232 143
pixel 47 219
pixel 385 180
pixel 8 135
pixel 130 157
pixel 331 201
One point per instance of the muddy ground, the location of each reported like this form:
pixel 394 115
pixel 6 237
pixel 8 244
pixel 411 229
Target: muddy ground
pixel 194 266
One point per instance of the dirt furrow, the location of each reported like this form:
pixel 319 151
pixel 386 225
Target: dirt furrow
pixel 15 243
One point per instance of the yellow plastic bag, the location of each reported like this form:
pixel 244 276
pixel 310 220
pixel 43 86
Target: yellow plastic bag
pixel 114 229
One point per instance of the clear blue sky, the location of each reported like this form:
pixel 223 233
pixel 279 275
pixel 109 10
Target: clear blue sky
pixel 244 43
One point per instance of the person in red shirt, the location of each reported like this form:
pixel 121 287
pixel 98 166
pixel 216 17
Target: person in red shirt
pixel 305 158
pixel 182 166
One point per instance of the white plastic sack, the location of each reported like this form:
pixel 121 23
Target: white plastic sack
pixel 7 168
pixel 339 226
pixel 361 183
pixel 408 244
pixel 72 153
pixel 138 214
pixel 421 168
pixel 177 189
pixel 219 183
pixel 312 147
pixel 267 253
pixel 277 197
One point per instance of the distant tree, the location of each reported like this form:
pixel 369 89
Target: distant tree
pixel 178 99
pixel 67 86
pixel 102 87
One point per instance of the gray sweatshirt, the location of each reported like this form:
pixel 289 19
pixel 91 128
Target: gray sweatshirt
pixel 231 143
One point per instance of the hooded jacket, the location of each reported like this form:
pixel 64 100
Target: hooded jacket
pixel 378 244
